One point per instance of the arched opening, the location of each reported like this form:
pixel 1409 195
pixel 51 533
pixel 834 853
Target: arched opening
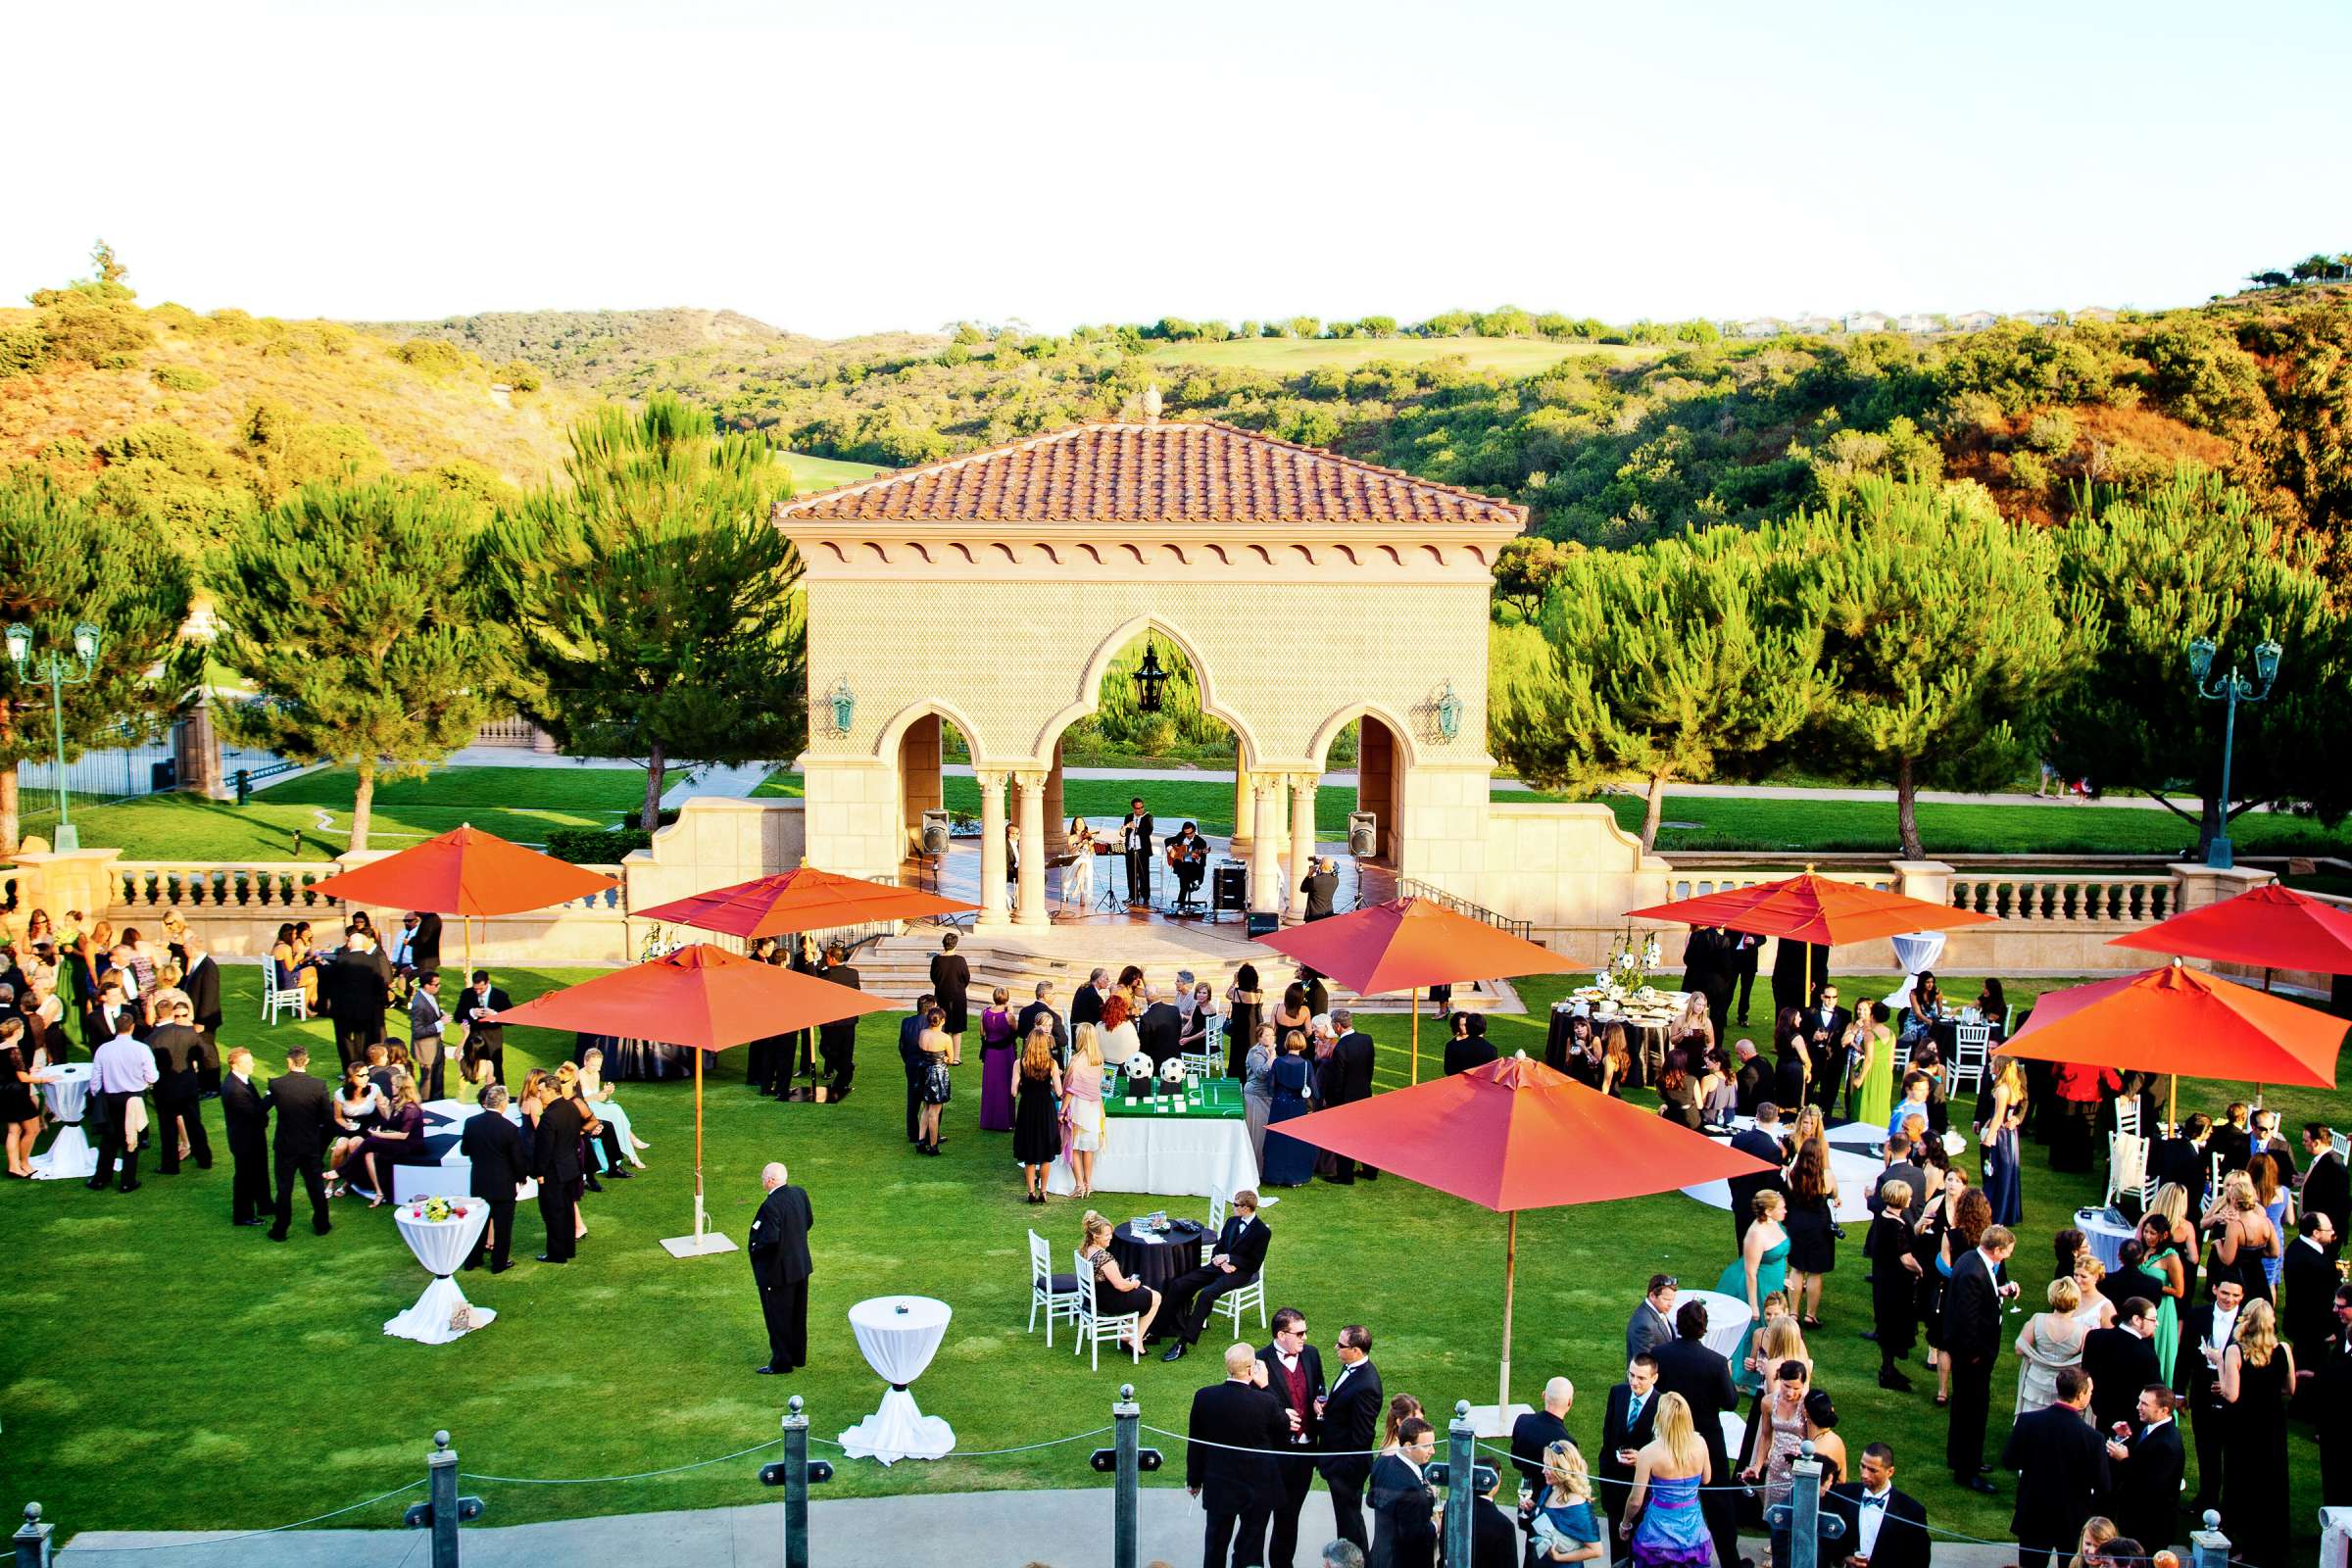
pixel 928 749
pixel 1379 750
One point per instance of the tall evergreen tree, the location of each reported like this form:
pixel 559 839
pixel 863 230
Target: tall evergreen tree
pixel 60 565
pixel 1944 634
pixel 358 612
pixel 1663 665
pixel 655 600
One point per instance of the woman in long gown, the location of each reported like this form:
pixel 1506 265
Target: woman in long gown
pixel 1036 1116
pixel 2048 1342
pixel 1257 1090
pixel 2258 1372
pixel 599 1093
pixel 1661 1512
pixel 997 1052
pixel 2005 1112
pixel 2154 1268
pixel 2278 1207
pixel 2242 1239
pixel 1288 1163
pixel 1811 1222
pixel 1874 1069
pixel 1760 1269
pixel 1082 1125
pixel 1244 1002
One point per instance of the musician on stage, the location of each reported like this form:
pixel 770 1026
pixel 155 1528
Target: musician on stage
pixel 1188 857
pixel 1134 839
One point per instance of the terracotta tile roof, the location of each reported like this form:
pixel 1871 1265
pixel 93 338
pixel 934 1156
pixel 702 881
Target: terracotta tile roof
pixel 1171 471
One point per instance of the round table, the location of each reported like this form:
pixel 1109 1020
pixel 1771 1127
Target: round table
pixel 69 1155
pixel 2105 1232
pixel 897 1336
pixel 1153 1265
pixel 441 1246
pixel 1727 1319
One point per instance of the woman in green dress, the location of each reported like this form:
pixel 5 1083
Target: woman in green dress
pixel 2153 1265
pixel 1874 1067
pixel 1762 1266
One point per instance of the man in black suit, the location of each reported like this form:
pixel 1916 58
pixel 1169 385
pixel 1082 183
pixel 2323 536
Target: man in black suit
pixel 1237 1485
pixel 1322 888
pixel 1494 1543
pixel 1352 1408
pixel 1292 1371
pixel 1826 1024
pixel 1652 1322
pixel 425 945
pixel 1884 1528
pixel 1187 1300
pixel 2210 1327
pixel 1404 1527
pixel 2309 1277
pixel 2148 1464
pixel 501 1164
pixel 779 1252
pixel 1346 1079
pixel 1042 1011
pixel 1796 969
pixel 1751 1080
pixel 2180 1161
pixel 478 1008
pixel 555 1162
pixel 1760 1142
pixel 2061 1470
pixel 1703 1378
pixel 1159 1030
pixel 100 1022
pixel 914 1060
pixel 1087 1005
pixel 2331 1372
pixel 1134 839
pixel 1628 1421
pixel 2120 1362
pixel 306 1115
pixel 1900 1167
pixel 356 987
pixel 2324 1187
pixel 1743 951
pixel 1536 1431
pixel 246 1113
pixel 202 984
pixel 1971 1337
pixel 178 1084
pixel 1704 967
pixel 837 1042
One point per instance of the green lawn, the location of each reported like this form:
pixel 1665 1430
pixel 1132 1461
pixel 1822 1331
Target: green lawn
pixel 810 472
pixel 1285 356
pixel 179 1351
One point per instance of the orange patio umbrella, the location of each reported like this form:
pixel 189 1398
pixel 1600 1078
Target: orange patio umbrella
pixel 2269 927
pixel 1408 943
pixel 466 873
pixel 701 997
pixel 1515 1133
pixel 806 899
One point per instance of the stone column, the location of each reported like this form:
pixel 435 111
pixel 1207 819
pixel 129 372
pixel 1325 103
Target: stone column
pixel 1302 839
pixel 1245 809
pixel 992 847
pixel 1265 851
pixel 1031 909
pixel 1931 880
pixel 1273 812
pixel 1058 817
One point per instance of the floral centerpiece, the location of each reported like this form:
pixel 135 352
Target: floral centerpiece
pixel 435 1210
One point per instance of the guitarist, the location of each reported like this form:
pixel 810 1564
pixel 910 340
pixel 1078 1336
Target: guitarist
pixel 1188 857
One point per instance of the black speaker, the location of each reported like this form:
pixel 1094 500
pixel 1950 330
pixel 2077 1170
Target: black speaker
pixel 1229 887
pixel 1265 925
pixel 935 832
pixel 1363 835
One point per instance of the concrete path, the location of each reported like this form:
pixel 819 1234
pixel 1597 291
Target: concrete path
pixel 734 783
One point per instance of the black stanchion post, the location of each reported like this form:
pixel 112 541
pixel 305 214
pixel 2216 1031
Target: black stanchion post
pixel 1461 1478
pixel 1126 1416
pixel 443 1510
pixel 32 1538
pixel 2209 1547
pixel 1800 1522
pixel 795 1475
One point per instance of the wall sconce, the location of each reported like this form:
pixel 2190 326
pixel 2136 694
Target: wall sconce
pixel 845 706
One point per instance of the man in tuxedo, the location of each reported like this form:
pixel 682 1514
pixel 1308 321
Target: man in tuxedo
pixel 914 1060
pixel 1237 1483
pixel 245 1113
pixel 424 943
pixel 837 1042
pixel 1292 1371
pixel 1743 951
pixel 1350 1430
pixel 1135 840
pixel 2308 1275
pixel 1703 1378
pixel 2120 1362
pixel 2062 1473
pixel 178 1083
pixel 113 1008
pixel 555 1162
pixel 1241 1252
pixel 2207 1332
pixel 356 987
pixel 1652 1322
pixel 306 1118
pixel 1751 1079
pixel 2325 1186
pixel 478 1008
pixel 1628 1420
pixel 1493 1543
pixel 1971 1337
pixel 2180 1161
pixel 121 1072
pixel 1884 1528
pixel 1703 968
pixel 1795 970
pixel 2331 1372
pixel 1404 1527
pixel 1160 1031
pixel 1087 1005
pixel 1042 1011
pixel 2148 1464
pixel 1760 1142
pixel 202 984
pixel 779 1253
pixel 1536 1431
pixel 1347 1078
pixel 1826 1024
pixel 502 1163
pixel 1322 888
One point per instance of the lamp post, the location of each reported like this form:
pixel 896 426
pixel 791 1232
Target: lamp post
pixel 2231 689
pixel 53 668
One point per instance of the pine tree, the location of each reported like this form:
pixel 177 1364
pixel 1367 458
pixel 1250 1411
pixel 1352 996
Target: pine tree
pixel 1664 665
pixel 655 601
pixel 60 566
pixel 1944 634
pixel 357 612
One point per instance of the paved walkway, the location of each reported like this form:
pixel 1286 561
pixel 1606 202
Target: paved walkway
pixel 921 1529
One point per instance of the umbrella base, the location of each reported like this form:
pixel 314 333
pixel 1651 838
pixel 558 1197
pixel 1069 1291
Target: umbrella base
pixel 1495 1421
pixel 697 1245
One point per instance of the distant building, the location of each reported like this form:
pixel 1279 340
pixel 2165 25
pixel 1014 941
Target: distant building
pixel 2040 318
pixel 1815 324
pixel 1918 322
pixel 1866 322
pixel 2097 313
pixel 1975 322
pixel 1763 327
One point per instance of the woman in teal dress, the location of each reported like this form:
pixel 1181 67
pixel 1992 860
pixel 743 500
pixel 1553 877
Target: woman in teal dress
pixel 2154 1266
pixel 1761 1268
pixel 1562 1528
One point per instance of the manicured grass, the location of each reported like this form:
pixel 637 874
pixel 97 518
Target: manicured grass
pixel 277 1373
pixel 1511 356
pixel 823 474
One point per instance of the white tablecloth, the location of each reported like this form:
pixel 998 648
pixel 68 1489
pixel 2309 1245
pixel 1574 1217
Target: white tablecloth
pixel 453 1177
pixel 1175 1157
pixel 441 1247
pixel 1856 1173
pixel 1727 1319
pixel 1914 951
pixel 898 1335
pixel 2105 1232
pixel 69 1155
pixel 2335 1537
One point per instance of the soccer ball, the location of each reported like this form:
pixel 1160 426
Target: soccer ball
pixel 1172 1070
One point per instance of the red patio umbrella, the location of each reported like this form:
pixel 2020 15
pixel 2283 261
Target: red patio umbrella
pixel 1512 1135
pixel 705 997
pixel 1408 943
pixel 2269 927
pixel 466 873
pixel 806 899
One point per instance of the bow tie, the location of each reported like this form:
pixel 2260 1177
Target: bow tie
pixel 1869 1502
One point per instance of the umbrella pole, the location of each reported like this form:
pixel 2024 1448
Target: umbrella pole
pixel 1416 1034
pixel 697 1148
pixel 1510 1272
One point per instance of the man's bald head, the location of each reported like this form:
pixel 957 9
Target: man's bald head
pixel 774 1175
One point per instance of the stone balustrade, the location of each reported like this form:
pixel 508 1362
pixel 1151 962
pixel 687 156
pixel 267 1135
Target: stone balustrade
pixel 2128 902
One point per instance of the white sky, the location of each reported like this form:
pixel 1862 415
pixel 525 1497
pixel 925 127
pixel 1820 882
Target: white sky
pixel 837 168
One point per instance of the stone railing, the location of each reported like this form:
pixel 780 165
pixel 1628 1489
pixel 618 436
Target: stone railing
pixel 149 887
pixel 1697 881
pixel 2123 901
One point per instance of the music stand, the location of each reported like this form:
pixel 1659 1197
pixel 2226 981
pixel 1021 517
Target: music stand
pixel 1108 900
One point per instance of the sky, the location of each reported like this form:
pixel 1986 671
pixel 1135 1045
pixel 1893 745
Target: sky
pixel 877 166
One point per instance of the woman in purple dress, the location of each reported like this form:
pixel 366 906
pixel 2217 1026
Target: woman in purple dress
pixel 1661 1512
pixel 997 1055
pixel 399 1140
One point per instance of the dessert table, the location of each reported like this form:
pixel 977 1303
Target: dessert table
pixel 70 1157
pixel 441 1246
pixel 897 1336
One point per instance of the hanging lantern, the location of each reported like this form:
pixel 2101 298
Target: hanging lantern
pixel 845 704
pixel 1149 680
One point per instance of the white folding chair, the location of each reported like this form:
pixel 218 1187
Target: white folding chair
pixel 1971 1043
pixel 1902 1061
pixel 2127 1169
pixel 2127 1117
pixel 1057 1294
pixel 2342 1144
pixel 277 996
pixel 1240 1299
pixel 1218 1197
pixel 1092 1327
pixel 1206 1062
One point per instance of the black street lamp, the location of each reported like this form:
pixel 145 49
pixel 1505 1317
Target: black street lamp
pixel 2232 689
pixel 1149 680
pixel 53 668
